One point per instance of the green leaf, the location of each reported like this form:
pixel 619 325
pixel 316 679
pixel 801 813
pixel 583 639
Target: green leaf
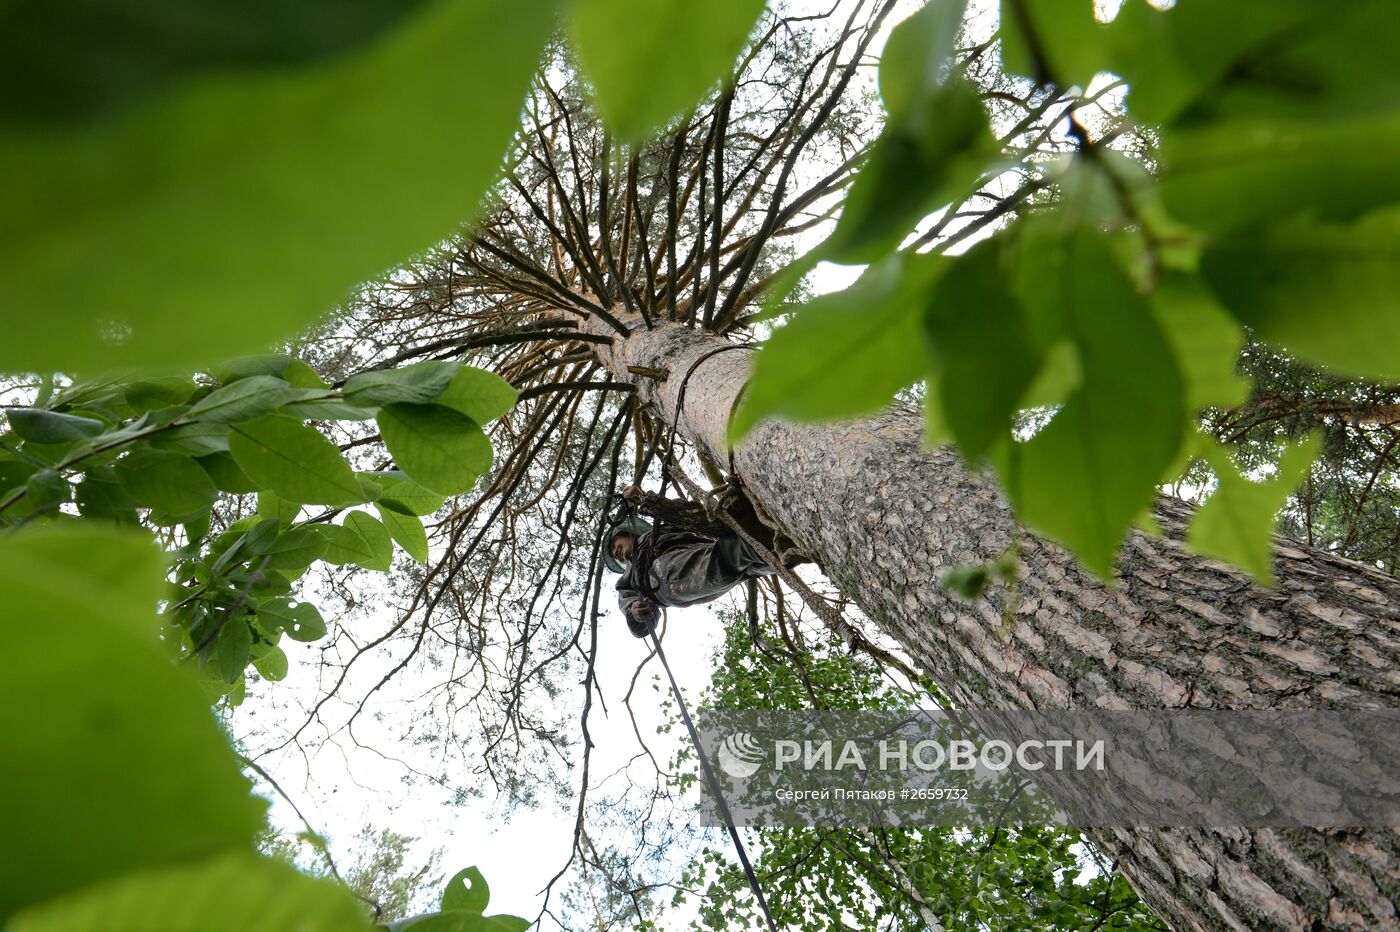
pixel 399 493
pixel 439 448
pixel 371 489
pixel 1328 292
pixel 301 375
pixel 230 543
pixel 967 582
pixel 39 426
pixel 200 439
pixel 418 384
pixel 45 490
pixel 224 473
pixel 845 353
pixel 302 621
pixel 375 547
pixel 464 899
pixel 640 73
pixel 247 367
pixel 273 506
pixel 232 892
pixel 407 531
pixel 1210 61
pixel 261 535
pixel 462 921
pixel 293 460
pixel 101 496
pixel 121 437
pixel 467 891
pixel 984 358
pixel 167 481
pixel 1237 522
pixel 245 399
pixel 14 472
pixel 272 666
pixel 77 609
pixel 918 165
pixel 1092 190
pixel 1173 58
pixel 1207 342
pixel 237 692
pixel 360 540
pixel 149 394
pixel 935 143
pixel 1072 45
pixel 1333 59
pixel 1058 376
pixel 295 549
pixel 300 182
pixel 917 55
pixel 480 395
pixel 102 389
pixel 1086 476
pixel 198 527
pixel 67 67
pixel 108 570
pixel 1227 176
pixel 327 409
pixel 936 432
pixel 233 649
pixel 265 583
pixel 50 454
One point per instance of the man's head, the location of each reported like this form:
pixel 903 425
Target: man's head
pixel 622 545
pixel 623 540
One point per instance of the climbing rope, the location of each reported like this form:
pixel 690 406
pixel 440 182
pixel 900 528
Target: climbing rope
pixel 713 782
pixel 623 511
pixel 641 560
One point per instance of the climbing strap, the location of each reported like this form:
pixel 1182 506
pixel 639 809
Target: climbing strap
pixel 715 790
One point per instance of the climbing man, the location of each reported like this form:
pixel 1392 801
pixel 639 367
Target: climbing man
pixel 689 560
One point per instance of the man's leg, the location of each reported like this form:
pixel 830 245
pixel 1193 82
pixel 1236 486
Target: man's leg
pixel 704 571
pixel 739 559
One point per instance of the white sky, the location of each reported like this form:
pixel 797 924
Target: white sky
pixel 345 786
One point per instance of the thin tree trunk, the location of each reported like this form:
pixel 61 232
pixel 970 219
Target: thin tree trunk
pixel 885 518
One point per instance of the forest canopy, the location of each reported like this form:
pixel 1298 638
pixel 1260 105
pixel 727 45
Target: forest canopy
pixel 334 331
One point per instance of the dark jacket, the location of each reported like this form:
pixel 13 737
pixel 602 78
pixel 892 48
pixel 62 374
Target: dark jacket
pixel 678 568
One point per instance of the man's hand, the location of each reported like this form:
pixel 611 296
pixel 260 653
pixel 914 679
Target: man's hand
pixel 631 492
pixel 644 610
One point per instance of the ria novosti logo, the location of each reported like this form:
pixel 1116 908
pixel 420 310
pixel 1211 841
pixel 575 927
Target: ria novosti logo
pixel 741 755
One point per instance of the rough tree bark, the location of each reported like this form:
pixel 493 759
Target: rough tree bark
pixel 884 517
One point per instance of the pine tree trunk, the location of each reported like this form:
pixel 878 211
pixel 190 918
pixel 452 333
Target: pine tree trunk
pixel 885 517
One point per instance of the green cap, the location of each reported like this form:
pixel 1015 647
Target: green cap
pixel 634 526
